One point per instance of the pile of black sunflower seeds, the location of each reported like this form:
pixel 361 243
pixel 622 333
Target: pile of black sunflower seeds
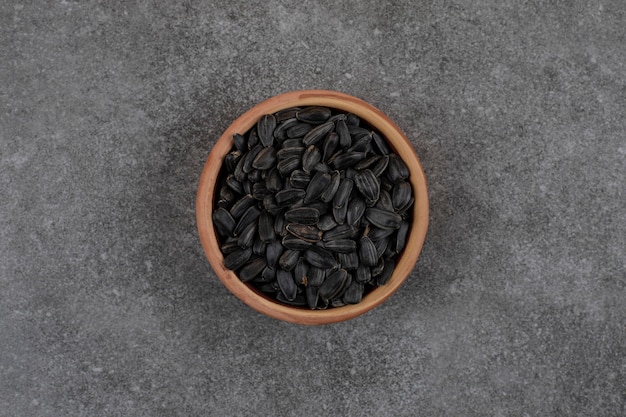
pixel 313 207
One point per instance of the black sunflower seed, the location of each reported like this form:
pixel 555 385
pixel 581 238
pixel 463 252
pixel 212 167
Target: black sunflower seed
pixel 352 119
pixel 279 224
pixel 253 138
pixel 301 272
pixel 367 162
pixel 367 183
pixel 358 132
pixel 339 213
pixel 386 273
pixel 285 152
pixel 247 186
pixel 289 259
pixel 266 227
pixel 298 130
pixel 227 194
pixel 265 159
pixel 319 206
pixel 396 169
pixel 346 160
pixel 348 261
pixel 384 201
pixel 303 215
pixel 267 275
pixel 345 140
pixel 260 191
pixel 231 160
pixel 234 185
pixel 337 117
pixel 349 173
pixel 248 159
pixel 293 143
pixel 356 208
pixel 326 222
pixel 258 247
pixel 312 295
pixel 269 204
pixel 343 192
pixel 311 157
pixel 342 231
pixel 314 114
pixel 320 257
pixel 380 144
pixel 252 269
pixel 235 260
pixel 334 284
pixel 280 133
pixel 330 144
pixel 246 219
pixel 299 179
pixel 241 206
pixel 317 133
pixel 316 186
pixel 273 181
pixel 273 252
pixel 331 190
pixel 361 145
pixel 378 269
pixel 286 283
pixel 224 222
pixel 238 173
pixel 316 276
pixel 381 246
pixel 401 195
pixel 290 113
pixel 353 293
pixel 363 274
pixel 376 233
pixel 380 166
pixel 229 247
pixel 401 236
pixel 295 243
pixel 307 233
pixel 367 251
pixel 383 219
pixel 322 167
pixel 287 197
pixel 246 237
pixel 265 128
pixel 288 165
pixel 341 245
pixel 240 142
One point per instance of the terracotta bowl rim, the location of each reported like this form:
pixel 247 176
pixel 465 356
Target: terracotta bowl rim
pixel 207 187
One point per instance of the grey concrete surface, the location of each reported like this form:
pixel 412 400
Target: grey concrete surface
pixel 108 110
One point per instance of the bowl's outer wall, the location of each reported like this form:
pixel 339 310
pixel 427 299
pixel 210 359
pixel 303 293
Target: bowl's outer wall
pixel 207 188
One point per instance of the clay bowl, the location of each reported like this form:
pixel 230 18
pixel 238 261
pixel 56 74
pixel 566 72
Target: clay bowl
pixel 207 188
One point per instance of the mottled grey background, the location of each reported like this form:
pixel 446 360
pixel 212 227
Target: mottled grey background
pixel 108 110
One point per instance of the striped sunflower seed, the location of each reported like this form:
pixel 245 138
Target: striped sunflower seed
pixel 287 284
pixel 316 134
pixel 235 260
pixel 303 215
pixel 316 187
pixel 289 259
pixel 314 115
pixel 252 269
pixel 265 128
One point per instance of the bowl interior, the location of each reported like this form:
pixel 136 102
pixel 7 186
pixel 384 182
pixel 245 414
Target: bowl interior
pixel 207 188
